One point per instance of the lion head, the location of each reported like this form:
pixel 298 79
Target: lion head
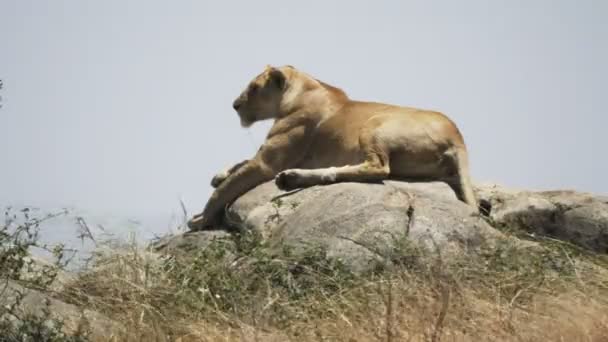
pixel 262 98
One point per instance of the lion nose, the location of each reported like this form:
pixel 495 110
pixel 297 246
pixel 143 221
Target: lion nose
pixel 237 104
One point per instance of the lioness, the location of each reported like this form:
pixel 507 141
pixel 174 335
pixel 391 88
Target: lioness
pixel 320 136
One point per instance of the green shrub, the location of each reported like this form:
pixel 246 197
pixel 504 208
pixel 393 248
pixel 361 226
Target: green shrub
pixel 19 233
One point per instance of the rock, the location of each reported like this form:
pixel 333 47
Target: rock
pixel 359 223
pixel 576 217
pixel 190 241
pixel 35 303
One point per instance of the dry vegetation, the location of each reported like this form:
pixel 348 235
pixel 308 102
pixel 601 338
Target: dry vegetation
pixel 549 292
pixel 242 290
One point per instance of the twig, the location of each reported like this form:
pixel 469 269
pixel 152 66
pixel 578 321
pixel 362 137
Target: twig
pixel 445 303
pixel 85 231
pixel 411 218
pixel 184 213
pixel 578 276
pixel 445 295
pixel 371 249
pixel 389 313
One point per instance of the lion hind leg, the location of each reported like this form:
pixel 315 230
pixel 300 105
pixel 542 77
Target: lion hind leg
pixel 375 167
pixel 302 178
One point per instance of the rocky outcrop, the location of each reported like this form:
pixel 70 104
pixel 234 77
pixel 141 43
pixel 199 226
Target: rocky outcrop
pixel 359 223
pixel 576 217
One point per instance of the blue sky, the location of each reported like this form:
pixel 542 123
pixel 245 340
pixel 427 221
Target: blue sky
pixel 124 107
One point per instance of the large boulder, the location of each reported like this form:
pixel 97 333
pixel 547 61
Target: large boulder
pixel 577 217
pixel 359 223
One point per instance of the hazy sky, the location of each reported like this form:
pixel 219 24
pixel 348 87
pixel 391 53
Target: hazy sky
pixel 124 107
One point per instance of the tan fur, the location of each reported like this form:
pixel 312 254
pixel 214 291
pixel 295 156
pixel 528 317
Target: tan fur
pixel 320 136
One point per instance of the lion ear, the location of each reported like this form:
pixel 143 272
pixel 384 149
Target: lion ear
pixel 277 78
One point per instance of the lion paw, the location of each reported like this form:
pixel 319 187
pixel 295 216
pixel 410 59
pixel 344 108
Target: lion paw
pixel 287 180
pixel 218 179
pixel 198 223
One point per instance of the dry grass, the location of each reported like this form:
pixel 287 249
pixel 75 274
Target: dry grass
pixel 505 293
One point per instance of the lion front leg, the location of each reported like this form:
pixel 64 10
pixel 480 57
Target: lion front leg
pixel 245 178
pixel 375 167
pixel 283 148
